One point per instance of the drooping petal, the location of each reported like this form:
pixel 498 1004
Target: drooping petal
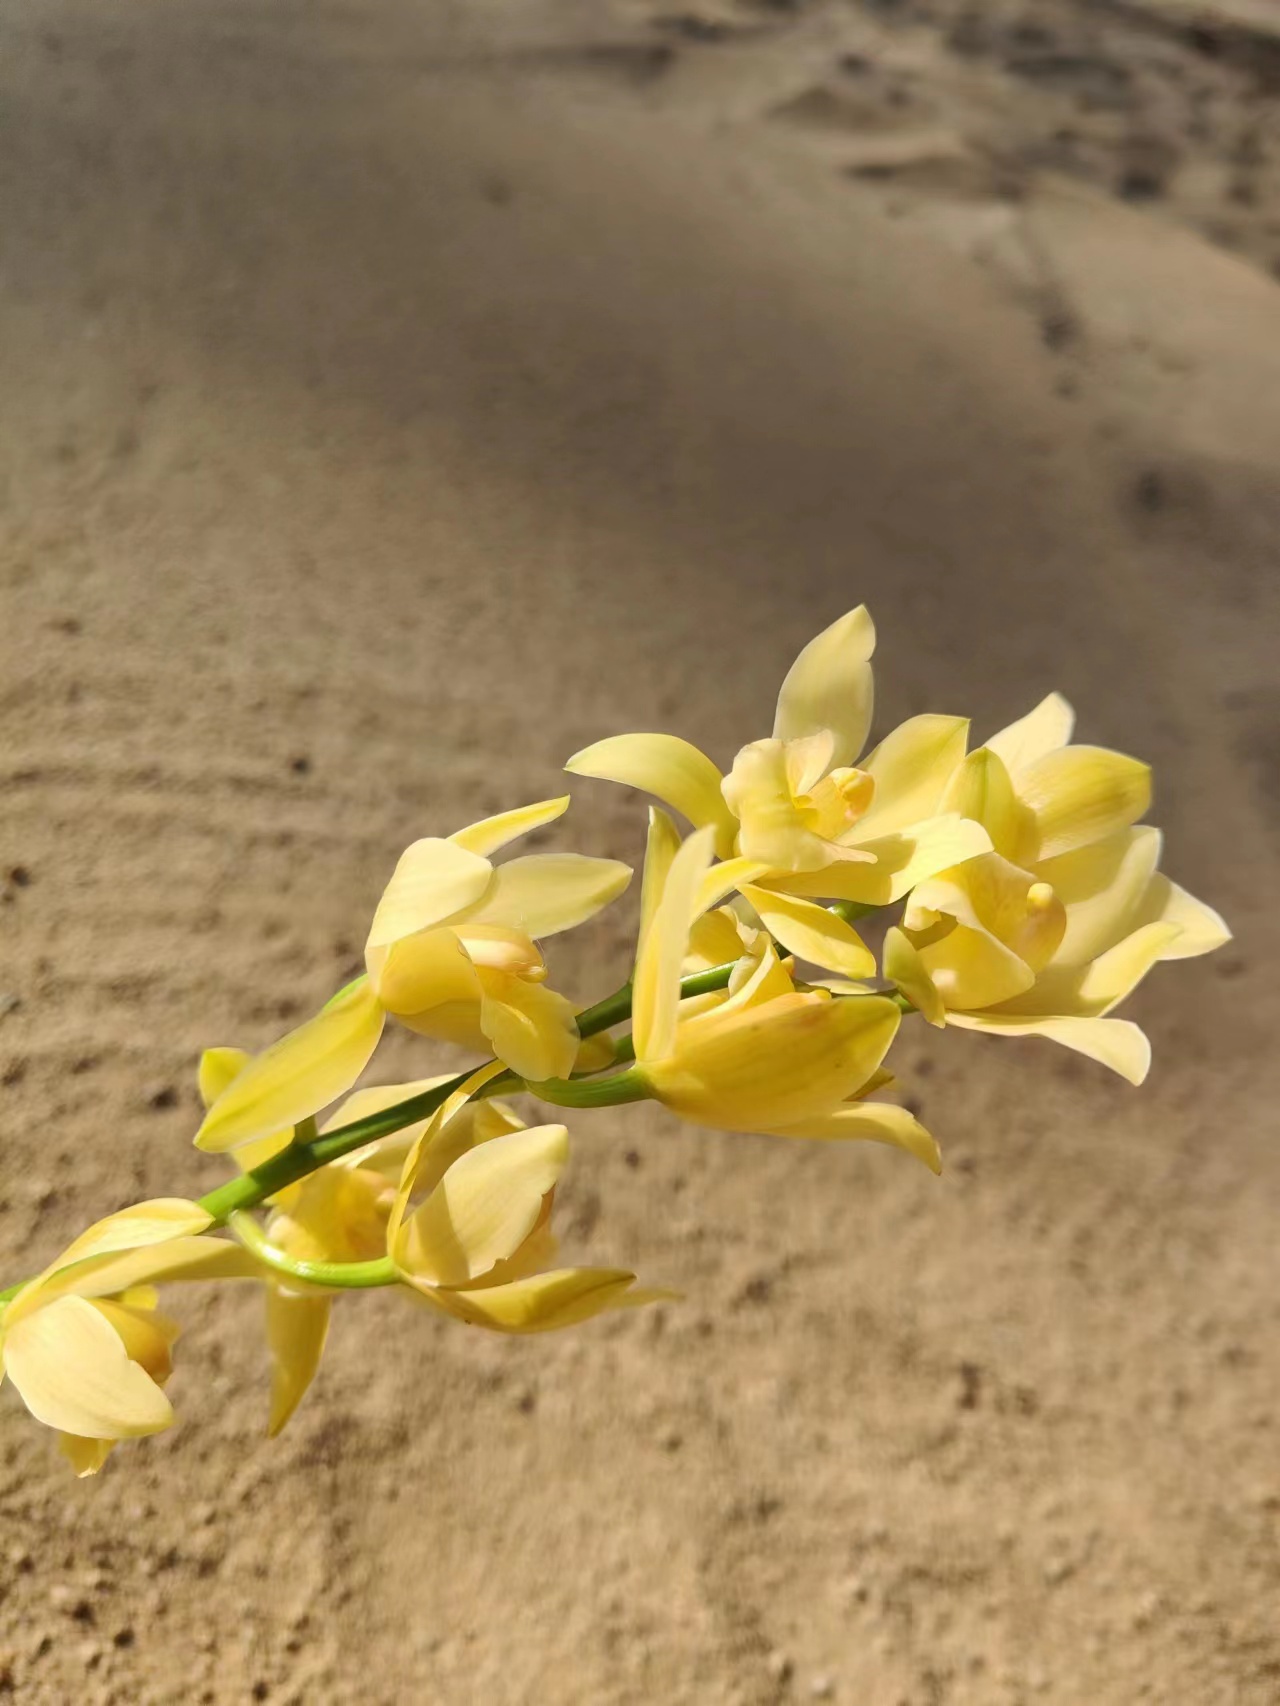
pixel 812 933
pixel 483 1209
pixel 982 789
pixel 493 833
pixel 880 1122
pixel 72 1371
pixel 543 1302
pixel 911 768
pixel 1045 729
pixel 904 967
pixel 1101 886
pixel 667 767
pixel 545 893
pixel 1093 990
pixel 830 686
pixel 297 1327
pixel 86 1456
pixel 531 1028
pixel 298 1075
pixel 656 992
pixel 1117 1043
pixel 1200 928
pixel 895 863
pixel 1081 794
pixel 433 880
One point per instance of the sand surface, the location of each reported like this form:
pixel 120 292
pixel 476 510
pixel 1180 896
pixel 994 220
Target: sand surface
pixel 396 397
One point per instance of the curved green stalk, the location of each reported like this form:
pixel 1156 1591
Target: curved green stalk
pixel 329 1276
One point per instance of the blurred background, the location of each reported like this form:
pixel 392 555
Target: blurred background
pixel 397 396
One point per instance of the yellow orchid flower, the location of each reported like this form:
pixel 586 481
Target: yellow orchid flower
pixel 340 1213
pixel 452 950
pixel 762 1055
pixel 1046 935
pixel 470 1231
pixel 451 953
pixel 84 1342
pixel 802 818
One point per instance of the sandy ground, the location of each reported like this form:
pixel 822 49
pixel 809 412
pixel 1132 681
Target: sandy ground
pixel 396 397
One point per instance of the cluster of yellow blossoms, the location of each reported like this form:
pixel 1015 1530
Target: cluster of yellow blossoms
pixel 1031 904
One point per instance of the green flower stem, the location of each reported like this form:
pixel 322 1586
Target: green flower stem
pixel 331 1276
pixel 302 1158
pixel 603 1092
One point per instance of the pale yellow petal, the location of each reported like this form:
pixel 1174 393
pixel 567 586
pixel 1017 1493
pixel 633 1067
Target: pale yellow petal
pixel 662 843
pixel 1200 928
pixel 715 940
pixel 543 1302
pixel 904 967
pixel 895 865
pixel 830 686
pixel 153 1222
pixel 1043 730
pixel 531 1028
pixel 911 768
pixel 422 972
pixel 86 1456
pixel 812 933
pixel 177 1259
pixel 218 1066
pixel 1081 794
pixel 417 1166
pixel 1116 1043
pixel 297 1327
pixel 595 1053
pixel 484 1207
pixel 724 878
pixel 771 829
pixel 545 893
pixel 982 789
pixel 879 1122
pixel 777 1063
pixel 433 880
pixel 671 769
pixel 492 833
pixel 298 1075
pixel 73 1373
pixel 1101 887
pixel 656 994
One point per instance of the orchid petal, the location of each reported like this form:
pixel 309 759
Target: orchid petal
pixel 1116 1043
pixel 433 881
pixel 545 893
pixel 911 768
pixel 830 686
pixel 1045 729
pixel 298 1075
pixel 656 993
pixel 1081 794
pixel 880 1122
pixel 812 933
pixel 544 1302
pixel 531 1028
pixel 483 1209
pixel 72 1371
pixel 671 769
pixel 297 1327
pixel 493 833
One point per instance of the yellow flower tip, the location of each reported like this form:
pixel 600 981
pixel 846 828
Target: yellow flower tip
pixel 298 1075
